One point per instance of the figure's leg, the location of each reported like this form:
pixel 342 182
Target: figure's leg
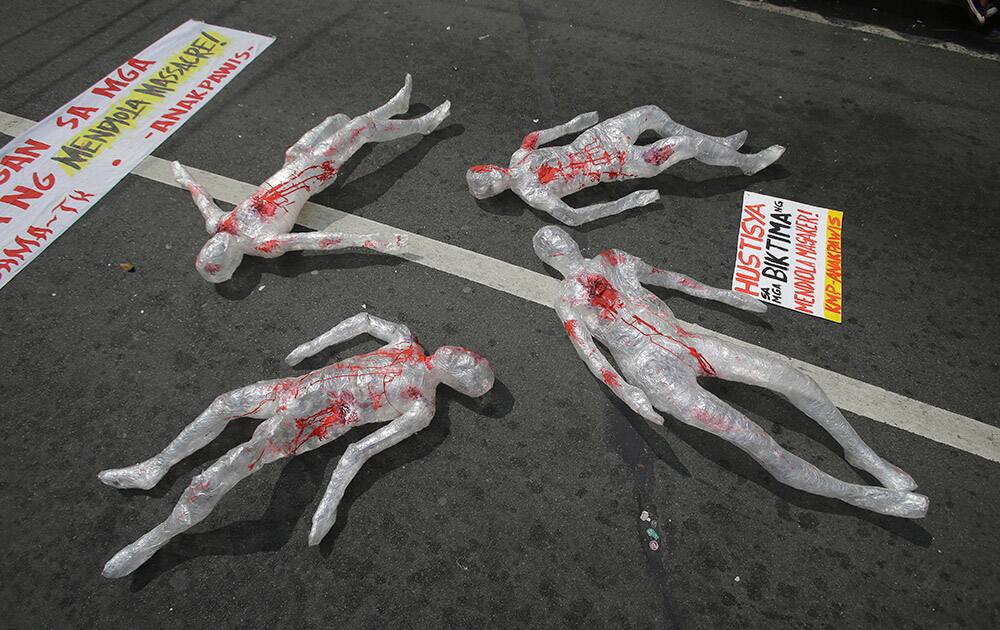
pixel 649 160
pixel 314 136
pixel 396 105
pixel 272 440
pixel 745 366
pixel 652 118
pixel 701 409
pixel 254 401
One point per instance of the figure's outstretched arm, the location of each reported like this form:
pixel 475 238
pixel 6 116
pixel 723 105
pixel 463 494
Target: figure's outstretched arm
pixel 678 281
pixel 543 136
pixel 599 365
pixel 211 212
pixel 328 241
pixel 416 418
pixel 360 324
pixel 578 216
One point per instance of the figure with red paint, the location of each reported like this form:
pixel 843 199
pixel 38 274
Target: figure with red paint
pixel 394 384
pixel 261 225
pixel 660 361
pixel 607 152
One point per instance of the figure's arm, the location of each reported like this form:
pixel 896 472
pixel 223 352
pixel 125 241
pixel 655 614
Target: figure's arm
pixel 328 241
pixel 544 136
pixel 360 324
pixel 578 216
pixel 211 212
pixel 416 418
pixel 599 365
pixel 678 281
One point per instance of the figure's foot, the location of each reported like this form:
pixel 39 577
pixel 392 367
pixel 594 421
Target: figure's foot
pixel 761 160
pixel 127 560
pixel 323 520
pixel 143 475
pixel 888 475
pixel 436 116
pixel 736 140
pixel 643 197
pixel 892 502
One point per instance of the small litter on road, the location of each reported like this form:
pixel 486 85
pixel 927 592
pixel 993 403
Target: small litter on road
pixel 652 533
pixel 644 517
pixel 127 267
pixel 654 545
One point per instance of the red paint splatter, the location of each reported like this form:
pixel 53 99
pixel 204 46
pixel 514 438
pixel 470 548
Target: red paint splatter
pixel 370 244
pixel 387 363
pixel 658 155
pixel 196 490
pixel 267 202
pixel 488 168
pixel 689 283
pixel 570 326
pixel 116 163
pixel 593 162
pixel 611 379
pixel 653 334
pixel 602 295
pixel 530 141
pixel 613 257
pixel 713 422
pixel 211 268
pixel 412 393
pixel 268 246
pixel 330 242
pixel 228 224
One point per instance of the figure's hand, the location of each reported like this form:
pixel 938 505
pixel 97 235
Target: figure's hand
pixel 395 244
pixel 639 403
pixel 744 301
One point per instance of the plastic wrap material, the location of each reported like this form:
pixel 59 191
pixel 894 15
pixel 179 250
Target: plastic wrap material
pixel 394 384
pixel 660 361
pixel 261 225
pixel 607 152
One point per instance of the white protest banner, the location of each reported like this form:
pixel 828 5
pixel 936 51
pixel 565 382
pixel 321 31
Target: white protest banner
pixel 789 254
pixel 57 170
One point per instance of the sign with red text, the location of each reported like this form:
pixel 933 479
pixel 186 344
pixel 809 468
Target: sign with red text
pixel 789 254
pixel 57 170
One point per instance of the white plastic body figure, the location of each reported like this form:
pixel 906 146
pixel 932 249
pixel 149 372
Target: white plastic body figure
pixel 261 225
pixel 394 384
pixel 606 152
pixel 660 362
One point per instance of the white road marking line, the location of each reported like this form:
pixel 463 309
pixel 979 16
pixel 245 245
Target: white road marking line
pixel 847 393
pixel 871 29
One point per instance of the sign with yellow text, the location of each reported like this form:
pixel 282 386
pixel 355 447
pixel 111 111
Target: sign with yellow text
pixel 57 170
pixel 789 254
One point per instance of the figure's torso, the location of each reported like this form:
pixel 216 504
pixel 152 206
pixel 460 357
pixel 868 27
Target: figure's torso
pixel 275 206
pixel 630 321
pixel 597 155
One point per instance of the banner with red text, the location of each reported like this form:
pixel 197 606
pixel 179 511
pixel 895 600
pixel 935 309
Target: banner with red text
pixel 56 171
pixel 789 254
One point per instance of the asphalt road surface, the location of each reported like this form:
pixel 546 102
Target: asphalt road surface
pixel 520 509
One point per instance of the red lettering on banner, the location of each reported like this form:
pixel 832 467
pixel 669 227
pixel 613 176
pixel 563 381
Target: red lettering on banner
pixel 747 277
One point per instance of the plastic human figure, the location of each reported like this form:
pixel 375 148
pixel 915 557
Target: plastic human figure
pixel 606 152
pixel 660 362
pixel 261 225
pixel 394 384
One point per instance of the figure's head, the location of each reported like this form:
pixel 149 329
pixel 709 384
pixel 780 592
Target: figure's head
pixel 557 249
pixel 462 370
pixel 486 180
pixel 219 258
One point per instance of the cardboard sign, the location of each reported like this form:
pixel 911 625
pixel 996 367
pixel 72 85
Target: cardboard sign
pixel 789 254
pixel 56 171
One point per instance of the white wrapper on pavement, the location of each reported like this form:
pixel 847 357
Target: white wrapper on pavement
pixel 58 169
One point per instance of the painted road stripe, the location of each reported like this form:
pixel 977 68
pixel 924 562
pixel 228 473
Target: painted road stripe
pixel 847 393
pixel 870 29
